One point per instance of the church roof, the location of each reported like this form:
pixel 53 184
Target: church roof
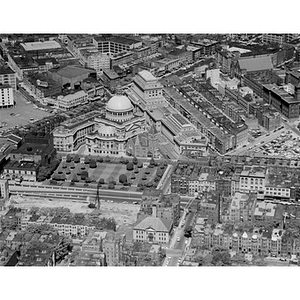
pixel 153 129
pixel 119 103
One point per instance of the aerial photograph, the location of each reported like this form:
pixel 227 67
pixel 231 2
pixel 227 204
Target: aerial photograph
pixel 166 150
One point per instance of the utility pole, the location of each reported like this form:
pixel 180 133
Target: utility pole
pixel 97 200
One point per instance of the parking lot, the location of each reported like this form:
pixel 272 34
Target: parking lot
pixel 287 145
pixel 20 114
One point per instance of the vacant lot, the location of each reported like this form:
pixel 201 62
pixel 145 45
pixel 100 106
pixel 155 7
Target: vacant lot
pixel 22 113
pixel 123 213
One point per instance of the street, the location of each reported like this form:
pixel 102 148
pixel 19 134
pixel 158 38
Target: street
pixel 179 243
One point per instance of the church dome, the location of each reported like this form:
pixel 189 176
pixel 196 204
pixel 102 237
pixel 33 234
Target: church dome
pixel 119 103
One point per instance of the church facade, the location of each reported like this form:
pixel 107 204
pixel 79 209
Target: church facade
pixel 121 127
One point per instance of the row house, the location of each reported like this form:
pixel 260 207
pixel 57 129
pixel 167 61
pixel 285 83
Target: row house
pixel 276 243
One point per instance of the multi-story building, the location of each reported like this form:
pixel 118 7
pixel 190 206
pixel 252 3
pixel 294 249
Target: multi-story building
pixel 67 226
pixel 168 64
pixel 253 180
pixel 96 60
pixel 71 76
pixel 71 100
pixel 26 170
pixel 8 76
pixel 121 58
pixel 153 230
pixel 70 135
pixel 113 130
pixel 147 91
pixel 185 57
pixel 6 96
pixel 242 207
pixel 283 102
pixel 115 44
pixel 112 247
pixel 41 85
pixel 264 211
pixel 269 120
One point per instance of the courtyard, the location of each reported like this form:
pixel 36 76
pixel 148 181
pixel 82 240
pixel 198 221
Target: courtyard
pixel 87 172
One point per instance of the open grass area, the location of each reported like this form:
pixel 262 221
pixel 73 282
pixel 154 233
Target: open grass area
pixel 22 112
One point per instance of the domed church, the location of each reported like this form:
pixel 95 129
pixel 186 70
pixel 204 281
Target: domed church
pixel 112 132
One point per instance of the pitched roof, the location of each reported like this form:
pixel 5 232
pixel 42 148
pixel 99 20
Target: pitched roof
pixel 256 63
pixel 153 129
pixel 156 223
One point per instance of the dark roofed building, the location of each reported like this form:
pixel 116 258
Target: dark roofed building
pixel 153 230
pixel 260 64
pixel 71 76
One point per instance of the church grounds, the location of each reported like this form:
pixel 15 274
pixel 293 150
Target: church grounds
pixel 69 174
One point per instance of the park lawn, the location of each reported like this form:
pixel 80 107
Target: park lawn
pixel 109 171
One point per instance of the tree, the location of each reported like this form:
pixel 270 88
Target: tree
pixel 221 257
pixel 140 164
pixel 135 161
pixel 84 175
pixel 101 181
pixel 129 167
pixel 152 162
pixel 122 160
pixel 159 172
pixel 69 158
pixel 123 178
pixel 76 159
pixel 64 165
pixel 100 159
pixel 88 180
pixel 111 186
pixel 87 159
pixel 107 159
pixel 93 164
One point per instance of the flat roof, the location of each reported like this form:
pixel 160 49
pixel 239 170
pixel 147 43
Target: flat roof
pixel 31 149
pixel 146 75
pixel 24 165
pixel 72 71
pixel 116 39
pixel 34 46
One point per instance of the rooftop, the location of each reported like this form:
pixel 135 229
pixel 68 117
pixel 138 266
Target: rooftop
pixel 72 71
pixel 35 46
pixel 116 39
pixel 157 224
pixel 146 75
pixel 6 70
pixel 31 149
pixel 24 165
pixel 254 64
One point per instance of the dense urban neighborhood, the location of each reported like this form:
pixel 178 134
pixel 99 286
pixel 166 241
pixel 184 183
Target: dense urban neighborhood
pixel 150 150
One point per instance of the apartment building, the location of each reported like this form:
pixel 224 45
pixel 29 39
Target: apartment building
pixel 67 226
pixel 242 207
pixel 8 77
pixel 253 180
pixel 6 96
